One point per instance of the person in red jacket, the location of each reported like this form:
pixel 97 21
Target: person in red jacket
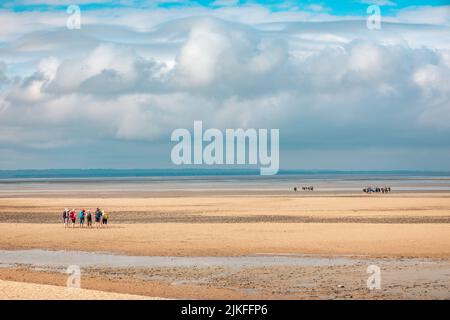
pixel 73 217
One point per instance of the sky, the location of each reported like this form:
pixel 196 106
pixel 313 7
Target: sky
pixel 108 95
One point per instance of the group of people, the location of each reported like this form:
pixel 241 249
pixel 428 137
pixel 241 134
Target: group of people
pixel 366 190
pixel 377 190
pixel 311 188
pixel 70 218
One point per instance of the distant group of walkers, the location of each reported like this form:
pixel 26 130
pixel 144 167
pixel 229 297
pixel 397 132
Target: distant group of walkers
pixel 70 218
pixel 365 190
pixel 305 188
pixel 377 190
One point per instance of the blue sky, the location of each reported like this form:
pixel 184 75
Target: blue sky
pixel 108 95
pixel 342 7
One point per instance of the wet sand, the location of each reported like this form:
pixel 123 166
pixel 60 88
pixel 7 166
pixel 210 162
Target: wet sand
pixel 400 279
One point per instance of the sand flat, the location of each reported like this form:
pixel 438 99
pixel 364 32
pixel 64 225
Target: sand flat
pixel 179 239
pixel 415 225
pixel 287 203
pixel 408 208
pixel 372 228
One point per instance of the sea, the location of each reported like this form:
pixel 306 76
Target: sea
pixel 204 180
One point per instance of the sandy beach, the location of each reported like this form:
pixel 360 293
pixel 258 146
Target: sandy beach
pixel 407 234
pixel 231 239
pixel 10 290
pixel 225 149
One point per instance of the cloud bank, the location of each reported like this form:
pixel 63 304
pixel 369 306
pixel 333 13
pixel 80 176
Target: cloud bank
pixel 110 94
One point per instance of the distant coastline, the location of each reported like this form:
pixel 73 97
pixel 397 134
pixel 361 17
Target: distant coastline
pixel 174 172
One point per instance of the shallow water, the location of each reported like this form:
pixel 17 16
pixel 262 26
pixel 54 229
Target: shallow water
pixel 321 182
pixel 39 257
